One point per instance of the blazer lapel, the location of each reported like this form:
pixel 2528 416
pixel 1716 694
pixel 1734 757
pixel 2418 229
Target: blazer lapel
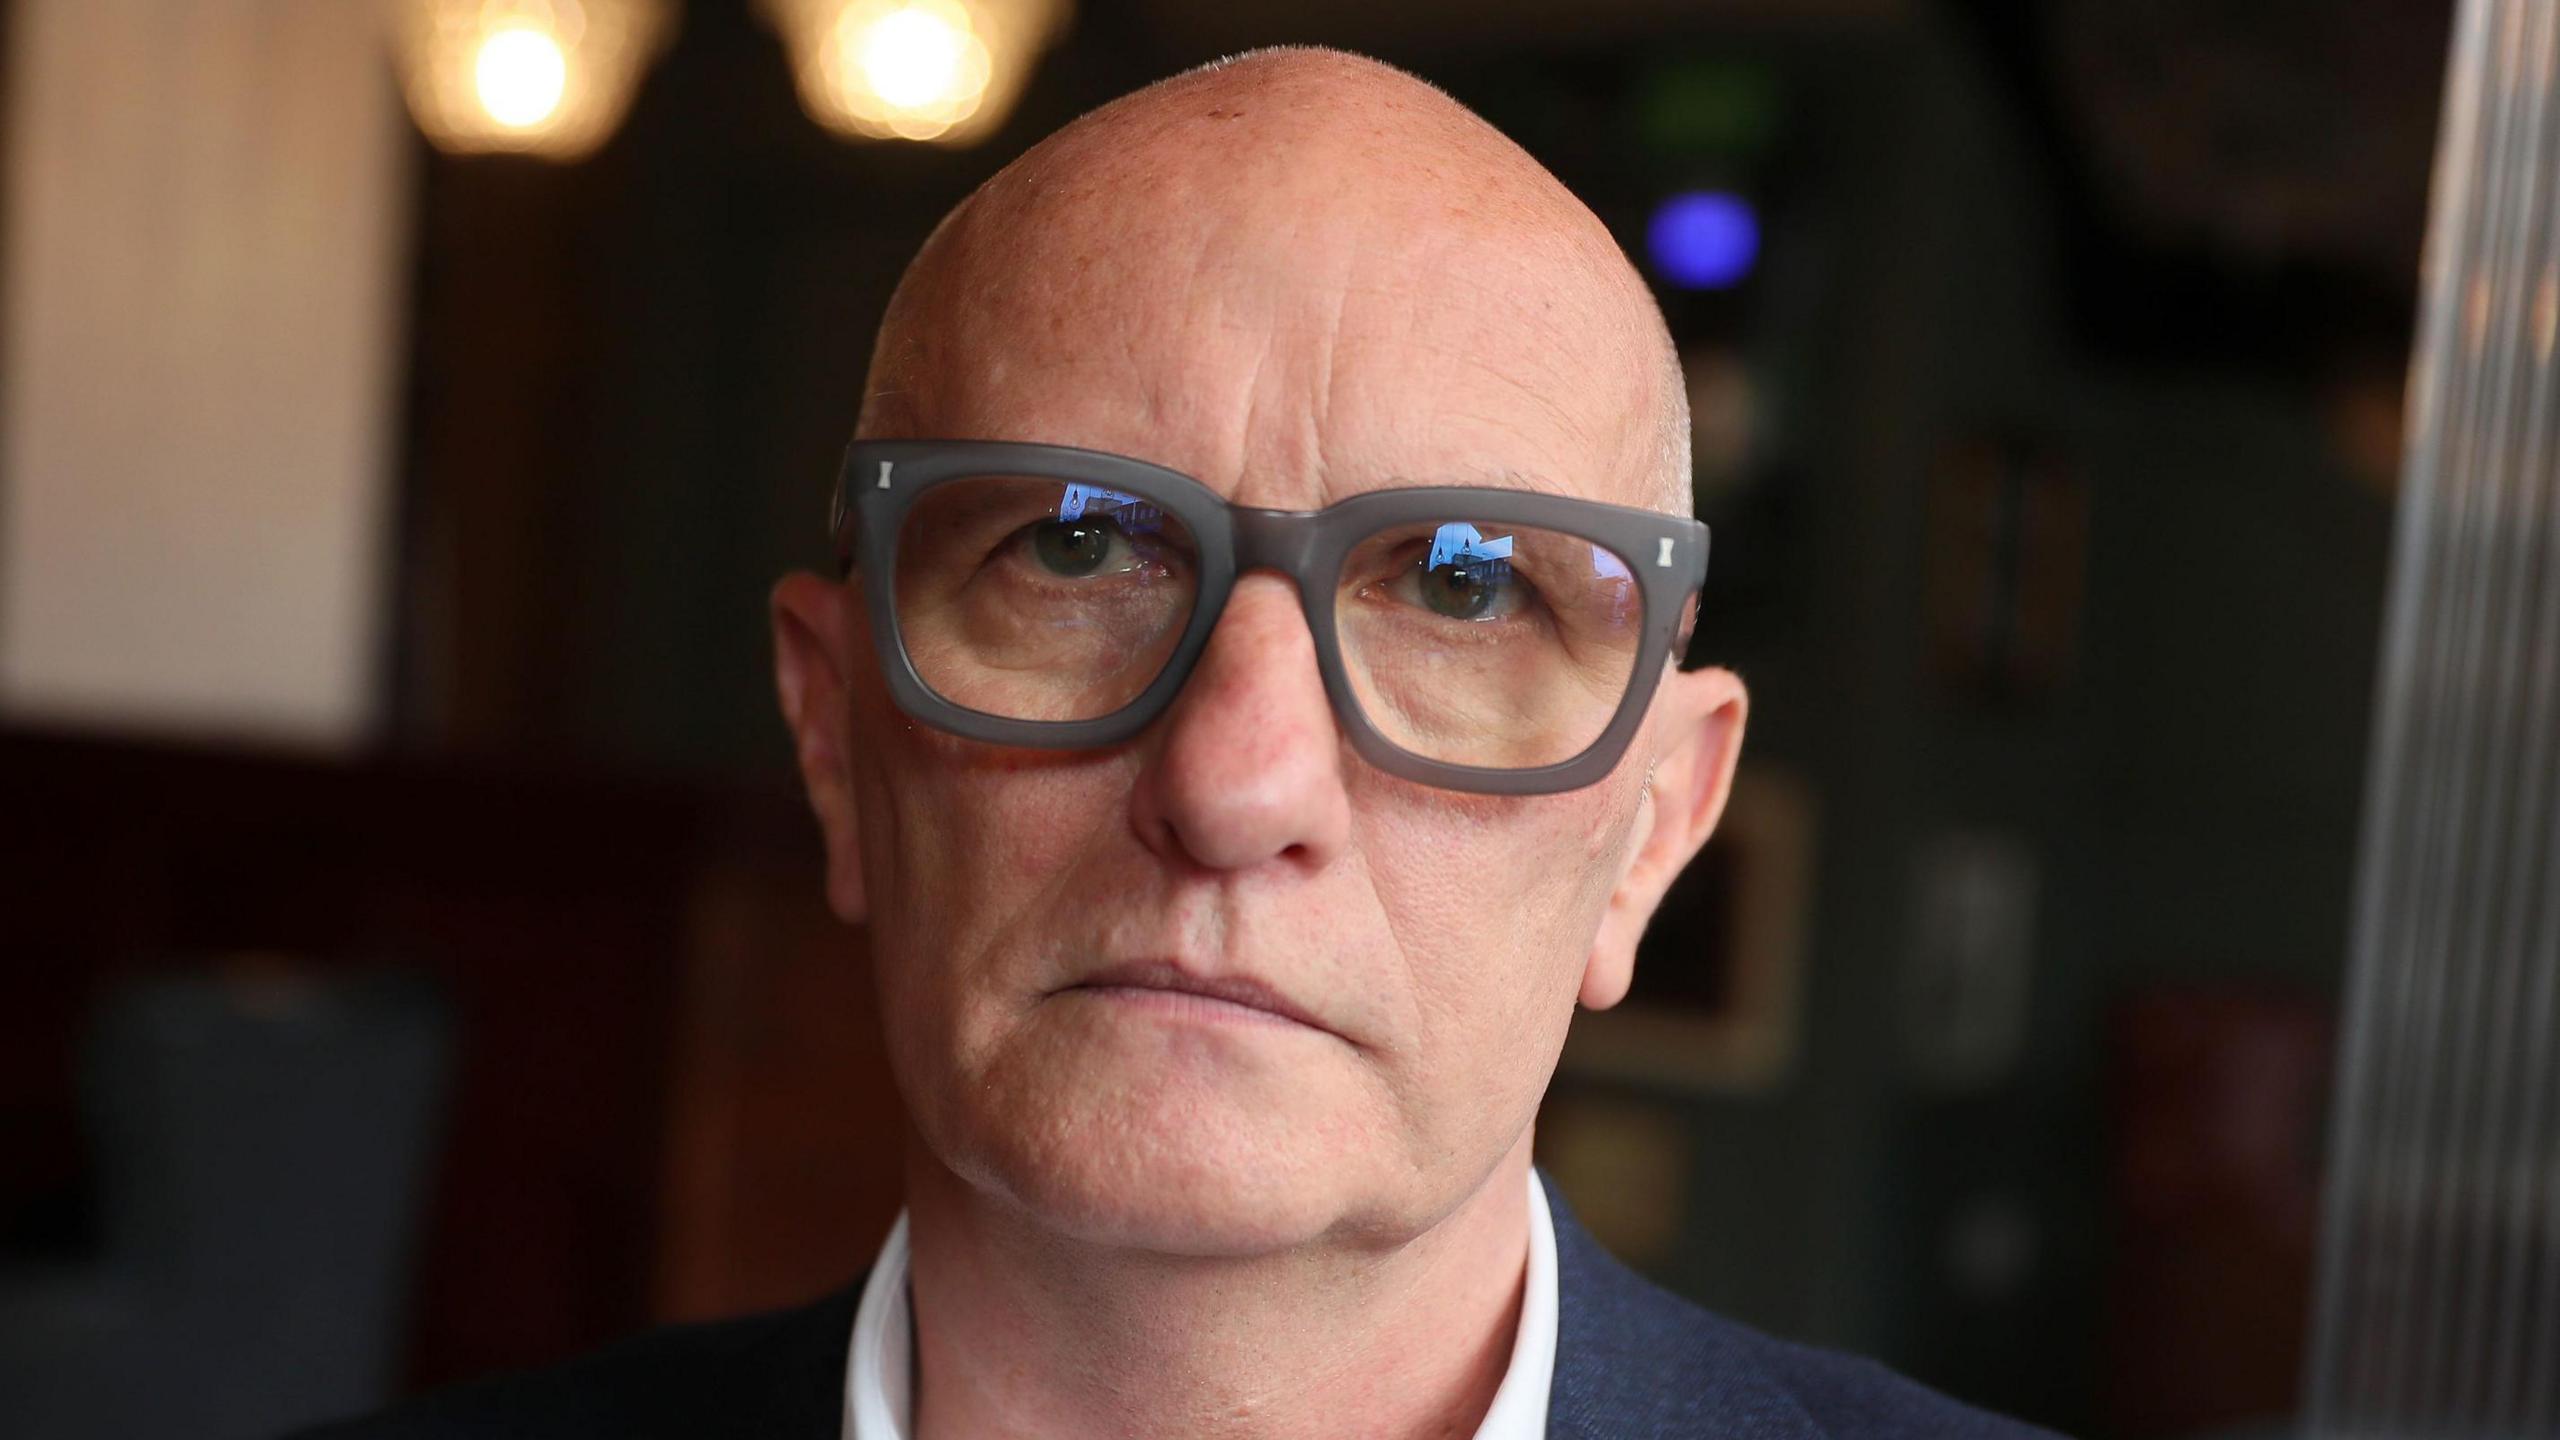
pixel 1634 1362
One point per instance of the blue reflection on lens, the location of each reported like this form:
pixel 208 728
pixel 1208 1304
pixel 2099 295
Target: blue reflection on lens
pixel 1071 505
pixel 1459 540
pixel 1131 513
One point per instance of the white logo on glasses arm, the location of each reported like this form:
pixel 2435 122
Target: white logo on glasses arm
pixel 884 478
pixel 1660 562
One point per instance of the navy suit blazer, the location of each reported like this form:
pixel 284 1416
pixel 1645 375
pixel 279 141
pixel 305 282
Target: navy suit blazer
pixel 1633 1362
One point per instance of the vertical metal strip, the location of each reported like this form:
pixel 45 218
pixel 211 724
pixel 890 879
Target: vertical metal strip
pixel 2347 1305
pixel 2498 1265
pixel 2486 697
pixel 2423 923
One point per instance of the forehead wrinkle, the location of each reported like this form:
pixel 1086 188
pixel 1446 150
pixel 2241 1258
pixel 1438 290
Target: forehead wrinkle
pixel 1442 378
pixel 1496 310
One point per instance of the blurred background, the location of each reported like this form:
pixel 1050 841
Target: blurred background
pixel 415 960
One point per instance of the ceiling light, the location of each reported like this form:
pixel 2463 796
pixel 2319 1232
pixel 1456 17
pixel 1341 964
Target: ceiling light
pixel 942 70
pixel 535 77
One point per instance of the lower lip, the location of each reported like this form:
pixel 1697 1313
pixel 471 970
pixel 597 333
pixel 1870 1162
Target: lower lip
pixel 1184 1005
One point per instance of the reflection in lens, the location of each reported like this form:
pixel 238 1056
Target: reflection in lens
pixel 1481 643
pixel 1040 599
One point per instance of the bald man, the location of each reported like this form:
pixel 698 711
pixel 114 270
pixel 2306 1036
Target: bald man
pixel 1248 721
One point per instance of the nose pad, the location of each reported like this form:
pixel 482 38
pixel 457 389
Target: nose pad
pixel 1247 764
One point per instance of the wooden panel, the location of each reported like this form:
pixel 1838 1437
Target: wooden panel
pixel 783 1152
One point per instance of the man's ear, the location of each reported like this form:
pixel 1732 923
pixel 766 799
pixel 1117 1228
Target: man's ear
pixel 812 635
pixel 1700 714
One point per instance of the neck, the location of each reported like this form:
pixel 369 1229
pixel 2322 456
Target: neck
pixel 1020 1332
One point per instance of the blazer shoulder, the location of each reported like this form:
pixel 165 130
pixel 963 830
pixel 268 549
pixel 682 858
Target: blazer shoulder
pixel 778 1374
pixel 1634 1360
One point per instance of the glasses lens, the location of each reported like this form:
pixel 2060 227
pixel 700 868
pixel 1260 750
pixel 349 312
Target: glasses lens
pixel 1038 599
pixel 1483 643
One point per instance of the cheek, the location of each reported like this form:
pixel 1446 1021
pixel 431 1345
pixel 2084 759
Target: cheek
pixel 1495 902
pixel 1524 879
pixel 942 815
pixel 960 842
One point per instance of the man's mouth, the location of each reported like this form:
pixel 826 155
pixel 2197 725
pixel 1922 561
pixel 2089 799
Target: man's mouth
pixel 1234 998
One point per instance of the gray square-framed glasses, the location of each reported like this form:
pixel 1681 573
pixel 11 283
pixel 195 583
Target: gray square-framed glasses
pixel 1483 639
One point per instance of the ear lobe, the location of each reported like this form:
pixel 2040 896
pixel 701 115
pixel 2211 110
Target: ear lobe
pixel 810 653
pixel 1704 712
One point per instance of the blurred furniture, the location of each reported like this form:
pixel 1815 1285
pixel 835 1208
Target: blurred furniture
pixel 261 1142
pixel 2216 1096
pixel 667 1097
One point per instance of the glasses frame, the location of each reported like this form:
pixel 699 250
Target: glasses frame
pixel 882 479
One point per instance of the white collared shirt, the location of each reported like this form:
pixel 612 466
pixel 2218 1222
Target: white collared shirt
pixel 879 1374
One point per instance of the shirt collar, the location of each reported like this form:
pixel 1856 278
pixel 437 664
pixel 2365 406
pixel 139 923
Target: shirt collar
pixel 879 1375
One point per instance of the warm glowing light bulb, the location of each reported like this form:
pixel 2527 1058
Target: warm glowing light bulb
pixel 912 57
pixel 940 70
pixel 526 77
pixel 521 74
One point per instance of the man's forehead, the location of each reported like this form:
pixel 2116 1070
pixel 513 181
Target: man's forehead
pixel 1291 305
pixel 1236 389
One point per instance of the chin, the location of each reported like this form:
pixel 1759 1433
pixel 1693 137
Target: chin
pixel 1154 1199
pixel 1178 1152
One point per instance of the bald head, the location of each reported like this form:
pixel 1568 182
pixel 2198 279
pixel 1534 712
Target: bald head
pixel 1296 275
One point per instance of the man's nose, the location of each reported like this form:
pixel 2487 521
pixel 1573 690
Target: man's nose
pixel 1247 766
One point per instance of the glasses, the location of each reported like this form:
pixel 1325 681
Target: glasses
pixel 1497 641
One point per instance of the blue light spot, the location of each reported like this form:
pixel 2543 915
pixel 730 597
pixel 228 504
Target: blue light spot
pixel 1704 240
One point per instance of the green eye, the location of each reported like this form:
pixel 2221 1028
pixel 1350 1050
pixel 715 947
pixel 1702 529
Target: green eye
pixel 1072 547
pixel 1461 592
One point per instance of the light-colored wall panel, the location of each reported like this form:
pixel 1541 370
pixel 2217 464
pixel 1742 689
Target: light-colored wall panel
pixel 207 217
